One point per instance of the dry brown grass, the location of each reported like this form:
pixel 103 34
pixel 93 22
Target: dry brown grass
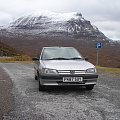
pixel 21 58
pixel 115 71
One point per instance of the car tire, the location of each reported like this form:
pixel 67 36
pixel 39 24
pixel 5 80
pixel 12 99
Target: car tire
pixel 89 87
pixel 41 87
pixel 36 77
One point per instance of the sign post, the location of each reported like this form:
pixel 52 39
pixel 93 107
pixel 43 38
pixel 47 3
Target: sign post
pixel 98 46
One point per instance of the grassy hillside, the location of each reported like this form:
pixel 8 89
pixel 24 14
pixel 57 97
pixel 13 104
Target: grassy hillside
pixel 9 54
pixel 6 50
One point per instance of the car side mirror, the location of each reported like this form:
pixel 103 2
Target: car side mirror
pixel 35 58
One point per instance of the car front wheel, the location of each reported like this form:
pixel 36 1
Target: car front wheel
pixel 89 87
pixel 41 87
pixel 36 77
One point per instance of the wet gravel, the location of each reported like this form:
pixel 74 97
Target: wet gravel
pixel 61 103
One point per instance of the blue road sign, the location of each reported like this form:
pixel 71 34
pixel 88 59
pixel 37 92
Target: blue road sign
pixel 98 45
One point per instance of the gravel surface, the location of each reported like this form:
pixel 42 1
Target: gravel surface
pixel 73 103
pixel 6 97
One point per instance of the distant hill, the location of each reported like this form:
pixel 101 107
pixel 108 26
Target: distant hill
pixel 6 50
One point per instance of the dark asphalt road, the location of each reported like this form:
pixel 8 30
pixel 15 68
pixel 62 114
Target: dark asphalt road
pixel 74 103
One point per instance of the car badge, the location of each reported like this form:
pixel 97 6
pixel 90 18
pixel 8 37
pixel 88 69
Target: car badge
pixel 72 72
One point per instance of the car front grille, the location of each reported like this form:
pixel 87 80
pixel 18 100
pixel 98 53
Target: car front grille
pixel 71 72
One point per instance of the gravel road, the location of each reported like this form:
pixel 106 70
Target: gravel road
pixel 73 103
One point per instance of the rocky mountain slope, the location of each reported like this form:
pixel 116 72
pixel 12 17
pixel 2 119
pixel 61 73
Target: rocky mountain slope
pixel 49 23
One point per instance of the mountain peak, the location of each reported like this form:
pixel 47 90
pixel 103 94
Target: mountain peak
pixel 54 15
pixel 46 22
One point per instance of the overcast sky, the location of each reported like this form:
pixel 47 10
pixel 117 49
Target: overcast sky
pixel 105 14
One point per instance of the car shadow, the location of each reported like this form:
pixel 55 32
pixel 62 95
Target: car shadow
pixel 65 90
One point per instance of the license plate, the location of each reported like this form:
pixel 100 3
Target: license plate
pixel 72 79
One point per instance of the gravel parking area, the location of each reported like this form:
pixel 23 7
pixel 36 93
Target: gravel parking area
pixel 73 103
pixel 6 96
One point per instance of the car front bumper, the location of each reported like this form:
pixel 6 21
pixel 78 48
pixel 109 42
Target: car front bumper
pixel 88 79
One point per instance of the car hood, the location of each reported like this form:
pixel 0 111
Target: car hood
pixel 67 64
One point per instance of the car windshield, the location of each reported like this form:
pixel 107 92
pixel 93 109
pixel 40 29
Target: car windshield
pixel 60 53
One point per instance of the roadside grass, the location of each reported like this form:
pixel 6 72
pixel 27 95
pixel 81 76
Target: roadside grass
pixel 109 70
pixel 21 58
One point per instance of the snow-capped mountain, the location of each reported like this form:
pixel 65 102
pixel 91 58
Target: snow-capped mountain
pixel 45 22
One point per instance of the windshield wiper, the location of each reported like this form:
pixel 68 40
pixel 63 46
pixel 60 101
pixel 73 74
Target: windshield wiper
pixel 75 58
pixel 57 58
pixel 60 58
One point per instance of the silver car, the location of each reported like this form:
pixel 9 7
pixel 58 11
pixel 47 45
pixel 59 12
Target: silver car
pixel 64 66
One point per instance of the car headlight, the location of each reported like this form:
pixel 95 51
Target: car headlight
pixel 91 70
pixel 49 71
